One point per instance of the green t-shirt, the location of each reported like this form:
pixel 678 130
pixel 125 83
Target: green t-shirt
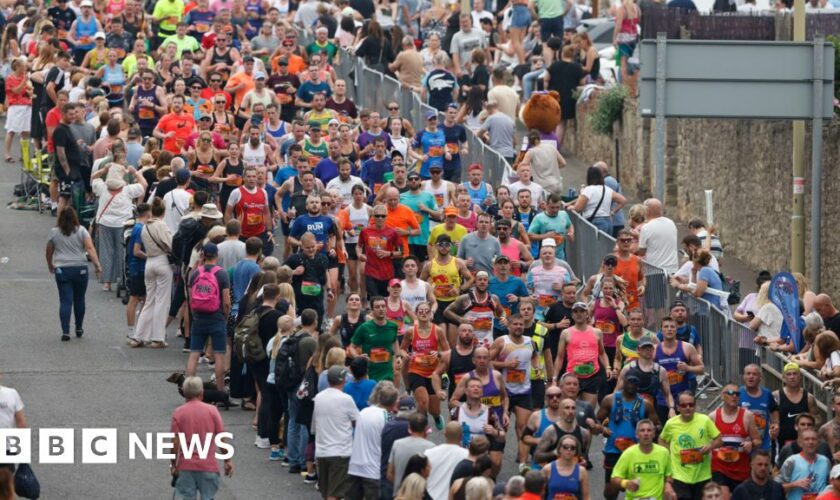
pixel 169 13
pixel 378 343
pixel 549 9
pixel 681 436
pixel 187 43
pixel 650 469
pixel 316 48
pixel 560 224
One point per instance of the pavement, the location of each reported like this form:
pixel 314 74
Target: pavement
pixel 99 382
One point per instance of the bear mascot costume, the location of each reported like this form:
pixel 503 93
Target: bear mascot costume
pixel 541 112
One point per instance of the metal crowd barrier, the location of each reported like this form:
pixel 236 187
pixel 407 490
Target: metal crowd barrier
pixel 727 345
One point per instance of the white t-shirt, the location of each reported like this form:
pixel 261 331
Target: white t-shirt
pixel 177 203
pixel 659 239
pixel 10 403
pixel 345 188
pixel 333 419
pixel 593 198
pixel 685 270
pixel 443 458
pixel 771 321
pixel 535 189
pixel 117 212
pixel 367 443
pixel 230 253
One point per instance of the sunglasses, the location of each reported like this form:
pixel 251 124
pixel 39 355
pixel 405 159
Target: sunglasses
pixel 626 240
pixel 393 108
pixel 687 405
pixel 206 140
pixel 732 393
pixel 554 396
pixel 414 179
pixel 569 447
pixel 380 216
pixel 220 102
pixel 215 80
pixel 444 244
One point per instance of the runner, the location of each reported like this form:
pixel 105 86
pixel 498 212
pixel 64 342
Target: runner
pixel 565 477
pixel 586 357
pixel 539 421
pixel 546 278
pixel 644 469
pixel 414 290
pixel 479 308
pixel 547 448
pixel 425 344
pixel 458 361
pixel 354 218
pixel 653 379
pixel 477 418
pixel 544 365
pixel 376 339
pixel 731 462
pixel 518 255
pixel 378 245
pixel 249 204
pixel 759 400
pixel 681 362
pixel 627 343
pixel 345 325
pixel 792 401
pixel 449 278
pixel 509 289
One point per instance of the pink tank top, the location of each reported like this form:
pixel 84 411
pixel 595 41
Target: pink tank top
pixel 397 316
pixel 582 352
pixel 511 250
pixel 606 320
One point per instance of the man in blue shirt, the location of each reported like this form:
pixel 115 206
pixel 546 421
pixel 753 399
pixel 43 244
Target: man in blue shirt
pixel 327 169
pixel 321 226
pixel 313 86
pixel 374 169
pixel 456 144
pixel 509 289
pixel 432 144
pixel 423 204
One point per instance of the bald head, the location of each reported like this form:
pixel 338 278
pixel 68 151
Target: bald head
pixel 824 306
pixel 602 166
pixel 653 208
pixel 452 433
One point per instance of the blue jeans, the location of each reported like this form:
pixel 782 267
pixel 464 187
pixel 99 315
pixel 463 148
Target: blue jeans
pixel 72 284
pixel 297 436
pixel 191 483
pixel 529 81
pixel 604 224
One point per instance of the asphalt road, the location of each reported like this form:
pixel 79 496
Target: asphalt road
pixel 99 382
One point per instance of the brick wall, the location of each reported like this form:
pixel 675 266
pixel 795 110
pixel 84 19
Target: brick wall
pixel 746 163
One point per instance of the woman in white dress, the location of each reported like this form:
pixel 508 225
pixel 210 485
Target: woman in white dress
pixel 19 104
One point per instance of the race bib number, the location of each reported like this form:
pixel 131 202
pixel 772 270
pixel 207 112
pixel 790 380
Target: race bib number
pixel 284 98
pixel 606 327
pixel 435 151
pixel 675 377
pixel 314 160
pixel 310 288
pixel 202 27
pixel 205 169
pixel 439 199
pixel 376 187
pixel 443 291
pixel 623 443
pixel 690 457
pixel 85 40
pixel 809 496
pixel 728 454
pixel 379 355
pixel 515 376
pixel 483 324
pixel 459 376
pixel 145 113
pixel 235 182
pixel 116 89
pixel 492 401
pixel 254 219
pixel 564 496
pixel 425 360
pixel 547 300
pixel 452 148
pixel 760 422
pixel 172 20
pixel 584 369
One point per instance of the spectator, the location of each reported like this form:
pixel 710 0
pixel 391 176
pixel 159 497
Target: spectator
pixel 564 76
pixel 463 43
pixel 334 416
pixel 367 438
pixel 443 459
pixel 408 65
pixel 407 447
pixel 830 315
pixel 196 475
pixel 360 387
pixel 506 97
pixel 708 284
pixel 157 244
pixel 545 162
pixel 768 319
pixel 698 228
pixel 440 86
pixel 596 201
pixel 395 429
pixel 760 484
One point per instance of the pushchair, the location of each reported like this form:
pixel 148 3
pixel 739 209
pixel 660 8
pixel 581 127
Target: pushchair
pixel 122 284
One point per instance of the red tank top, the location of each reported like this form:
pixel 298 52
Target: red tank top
pixel 251 208
pixel 422 363
pixel 729 459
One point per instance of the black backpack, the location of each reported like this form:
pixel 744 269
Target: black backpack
pixel 288 373
pixel 189 233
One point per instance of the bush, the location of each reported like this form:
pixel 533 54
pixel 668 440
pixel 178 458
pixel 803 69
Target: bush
pixel 608 109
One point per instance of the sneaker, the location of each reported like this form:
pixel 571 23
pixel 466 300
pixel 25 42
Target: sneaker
pixel 203 360
pixel 524 468
pixel 310 478
pixel 79 332
pixel 285 461
pixel 439 422
pixel 262 443
pixel 444 382
pixel 276 455
pixel 295 469
pixel 186 347
pixel 65 337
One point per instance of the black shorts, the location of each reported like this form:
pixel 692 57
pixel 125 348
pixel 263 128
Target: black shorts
pixel 521 400
pixel 496 444
pixel 332 263
pixel 351 251
pixel 610 459
pixel 285 228
pixel 415 381
pixel 376 287
pixel 551 27
pixel 723 480
pixel 439 318
pixel 137 285
pixel 689 491
pixel 537 394
pixel 419 251
pixel 592 384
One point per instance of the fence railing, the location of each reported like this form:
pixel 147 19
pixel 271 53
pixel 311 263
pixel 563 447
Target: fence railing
pixel 727 345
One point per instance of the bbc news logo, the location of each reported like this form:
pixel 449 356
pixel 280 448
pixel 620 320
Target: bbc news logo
pixel 100 446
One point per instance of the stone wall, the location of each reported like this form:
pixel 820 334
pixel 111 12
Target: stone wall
pixel 746 163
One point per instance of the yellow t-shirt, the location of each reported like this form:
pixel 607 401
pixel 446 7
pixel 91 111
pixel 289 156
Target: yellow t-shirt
pixel 456 235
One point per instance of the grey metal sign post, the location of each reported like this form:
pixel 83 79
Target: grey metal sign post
pixel 741 80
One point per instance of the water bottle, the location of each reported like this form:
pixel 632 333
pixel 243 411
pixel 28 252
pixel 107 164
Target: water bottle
pixel 572 193
pixel 465 435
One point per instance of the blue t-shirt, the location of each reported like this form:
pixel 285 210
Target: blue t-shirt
pixel 373 174
pixel 282 175
pixel 319 225
pixel 326 170
pixel 242 274
pixel 455 136
pixel 712 279
pixel 502 289
pixel 136 266
pixel 308 90
pixel 560 224
pixel 413 201
pixel 360 391
pixel 440 84
pixel 433 144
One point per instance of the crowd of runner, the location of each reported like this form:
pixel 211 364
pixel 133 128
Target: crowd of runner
pixel 348 288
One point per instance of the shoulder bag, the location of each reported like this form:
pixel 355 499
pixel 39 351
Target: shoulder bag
pixel 598 206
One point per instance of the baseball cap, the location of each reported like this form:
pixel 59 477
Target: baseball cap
pixel 444 238
pixel 430 115
pixel 259 75
pixel 407 403
pixel 610 260
pixel 451 105
pixel 210 250
pixel 447 212
pixel 435 167
pixel 413 175
pixel 677 303
pixel 631 379
pixel 336 375
pixel 87 3
pixel 503 222
pixel 475 166
pixel 835 472
pixel 182 175
pixel 99 34
pixel 791 367
pixel 204 115
pixel 579 305
pixel 645 341
pixel 501 258
pixel 283 62
pixel 248 59
pixel 549 242
pixel 394 282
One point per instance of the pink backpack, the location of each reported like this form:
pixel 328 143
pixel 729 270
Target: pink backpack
pixel 204 293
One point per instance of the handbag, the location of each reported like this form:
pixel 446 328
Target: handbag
pixel 169 255
pixel 26 483
pixel 379 66
pixel 598 206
